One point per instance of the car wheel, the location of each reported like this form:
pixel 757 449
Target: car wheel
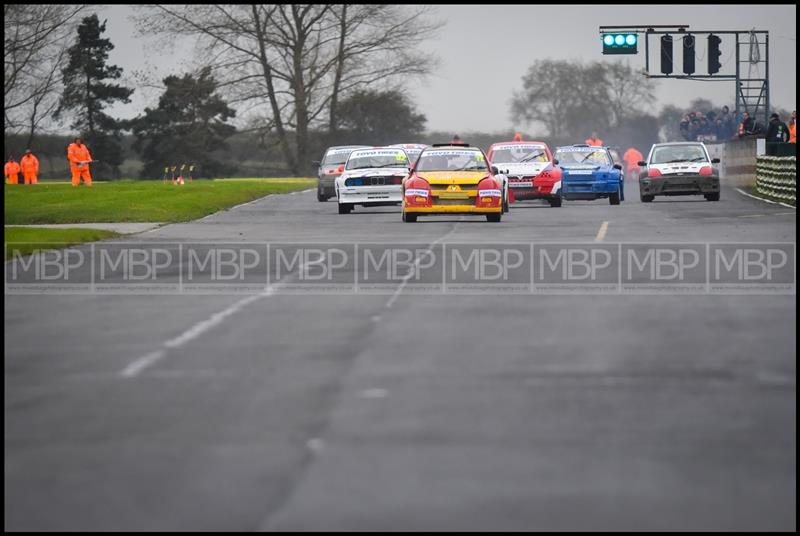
pixel 345 208
pixel 712 197
pixel 646 198
pixel 614 198
pixel 321 197
pixel 409 218
pixel 555 201
pixel 494 217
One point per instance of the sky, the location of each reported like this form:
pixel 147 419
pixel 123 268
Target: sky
pixel 486 49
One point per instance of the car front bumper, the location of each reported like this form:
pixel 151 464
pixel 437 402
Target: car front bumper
pixel 364 195
pixel 679 185
pixel 454 209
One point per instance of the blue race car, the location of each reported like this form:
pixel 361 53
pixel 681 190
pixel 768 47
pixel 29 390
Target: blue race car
pixel 589 173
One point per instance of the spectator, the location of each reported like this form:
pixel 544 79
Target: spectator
pixel 793 127
pixel 777 132
pixel 684 127
pixel 456 140
pixel 726 124
pixel 748 126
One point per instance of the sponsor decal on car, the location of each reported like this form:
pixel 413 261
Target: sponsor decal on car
pixel 489 193
pixel 420 193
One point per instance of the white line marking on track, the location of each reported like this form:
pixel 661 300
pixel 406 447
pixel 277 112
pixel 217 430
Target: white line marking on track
pixel 147 360
pixel 142 363
pixel 601 234
pixel 416 264
pixel 765 200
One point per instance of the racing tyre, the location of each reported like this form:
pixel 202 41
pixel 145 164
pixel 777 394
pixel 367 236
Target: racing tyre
pixel 345 208
pixel 494 217
pixel 409 218
pixel 555 202
pixel 646 198
pixel 321 197
pixel 712 197
pixel 614 198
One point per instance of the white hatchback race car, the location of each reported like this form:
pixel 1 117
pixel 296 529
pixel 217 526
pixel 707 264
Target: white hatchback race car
pixel 372 177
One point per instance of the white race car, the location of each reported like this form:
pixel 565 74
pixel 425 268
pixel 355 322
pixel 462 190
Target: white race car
pixel 372 177
pixel 411 149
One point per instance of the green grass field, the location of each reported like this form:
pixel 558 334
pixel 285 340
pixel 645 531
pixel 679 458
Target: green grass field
pixel 27 239
pixel 136 201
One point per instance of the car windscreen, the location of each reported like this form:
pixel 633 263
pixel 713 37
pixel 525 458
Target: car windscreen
pixel 334 157
pixel 377 158
pixel 451 160
pixel 669 154
pixel 583 155
pixel 512 154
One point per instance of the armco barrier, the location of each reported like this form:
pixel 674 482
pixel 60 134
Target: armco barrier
pixel 776 176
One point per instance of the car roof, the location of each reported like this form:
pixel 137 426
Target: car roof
pixel 678 143
pixel 336 147
pixel 586 145
pixel 464 147
pixel 525 142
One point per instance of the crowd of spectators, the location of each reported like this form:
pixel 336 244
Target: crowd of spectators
pixel 708 126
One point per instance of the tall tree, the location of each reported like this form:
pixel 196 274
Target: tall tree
pixel 364 116
pixel 188 126
pixel 87 93
pixel 296 61
pixel 35 42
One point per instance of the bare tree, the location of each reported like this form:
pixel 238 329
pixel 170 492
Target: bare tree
pixel 628 91
pixel 298 59
pixel 35 39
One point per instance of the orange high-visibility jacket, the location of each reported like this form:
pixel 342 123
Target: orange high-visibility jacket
pixel 29 164
pixel 11 168
pixel 793 132
pixel 632 157
pixel 77 154
pixel 594 142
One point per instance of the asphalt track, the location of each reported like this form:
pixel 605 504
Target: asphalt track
pixel 410 412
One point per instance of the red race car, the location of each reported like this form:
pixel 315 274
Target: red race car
pixel 529 170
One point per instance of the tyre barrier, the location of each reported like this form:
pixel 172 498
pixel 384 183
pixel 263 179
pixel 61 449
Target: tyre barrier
pixel 776 176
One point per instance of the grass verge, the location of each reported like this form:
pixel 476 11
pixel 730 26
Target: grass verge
pixel 25 240
pixel 136 201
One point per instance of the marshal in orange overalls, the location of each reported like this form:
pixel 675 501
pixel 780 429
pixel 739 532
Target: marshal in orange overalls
pixel 11 171
pixel 79 158
pixel 30 168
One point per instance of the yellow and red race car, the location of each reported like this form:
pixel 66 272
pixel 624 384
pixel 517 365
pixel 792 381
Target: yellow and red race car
pixel 452 179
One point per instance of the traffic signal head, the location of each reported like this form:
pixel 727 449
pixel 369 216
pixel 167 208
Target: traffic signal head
pixel 620 43
pixel 666 54
pixel 713 54
pixel 688 54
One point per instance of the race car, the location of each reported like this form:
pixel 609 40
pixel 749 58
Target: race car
pixel 330 167
pixel 452 179
pixel 589 173
pixel 372 177
pixel 679 169
pixel 411 149
pixel 529 168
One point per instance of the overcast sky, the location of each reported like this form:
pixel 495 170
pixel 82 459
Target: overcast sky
pixel 503 40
